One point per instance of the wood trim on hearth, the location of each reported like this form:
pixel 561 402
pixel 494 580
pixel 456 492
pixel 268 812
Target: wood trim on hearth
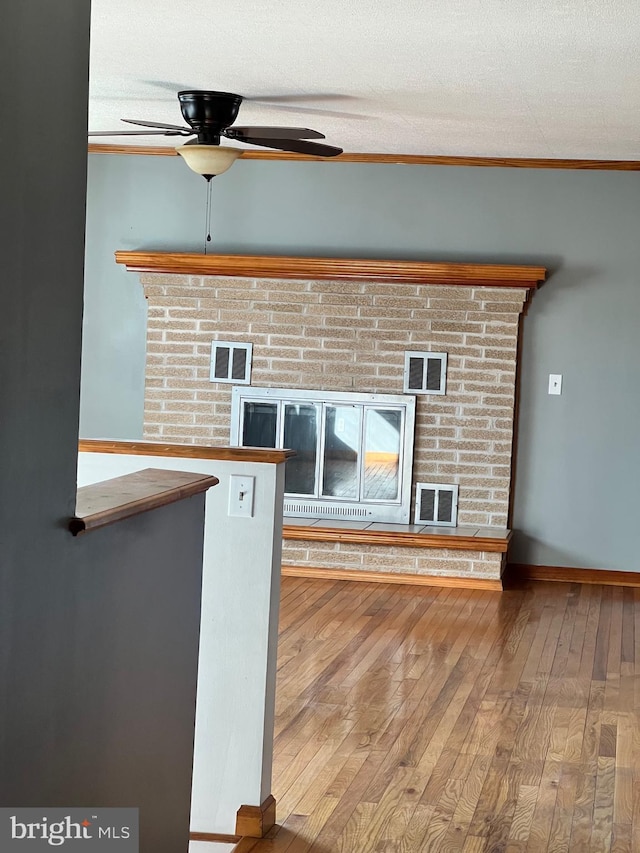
pixel 369 576
pixel 358 269
pixel 311 533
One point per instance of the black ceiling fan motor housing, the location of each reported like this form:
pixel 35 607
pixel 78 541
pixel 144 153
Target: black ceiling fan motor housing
pixel 209 113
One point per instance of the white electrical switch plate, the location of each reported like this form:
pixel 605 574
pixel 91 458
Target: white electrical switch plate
pixel 241 496
pixel 555 383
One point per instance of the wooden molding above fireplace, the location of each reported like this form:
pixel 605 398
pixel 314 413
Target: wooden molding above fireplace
pixel 351 269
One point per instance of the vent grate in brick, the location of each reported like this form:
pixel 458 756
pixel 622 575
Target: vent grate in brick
pixel 436 504
pixel 425 372
pixel 231 362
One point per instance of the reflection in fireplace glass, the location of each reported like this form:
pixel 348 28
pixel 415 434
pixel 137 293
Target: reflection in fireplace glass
pixel 341 446
pixel 382 454
pixel 301 434
pixel 259 426
pixel 356 463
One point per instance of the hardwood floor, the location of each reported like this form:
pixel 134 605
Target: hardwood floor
pixel 423 719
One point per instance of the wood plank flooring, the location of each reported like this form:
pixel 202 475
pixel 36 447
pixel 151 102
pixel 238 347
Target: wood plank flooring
pixel 422 719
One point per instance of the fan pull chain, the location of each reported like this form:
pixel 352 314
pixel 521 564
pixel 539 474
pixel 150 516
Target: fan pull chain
pixel 207 223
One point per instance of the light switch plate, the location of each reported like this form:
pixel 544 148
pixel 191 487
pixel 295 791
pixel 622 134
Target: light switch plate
pixel 241 490
pixel 555 383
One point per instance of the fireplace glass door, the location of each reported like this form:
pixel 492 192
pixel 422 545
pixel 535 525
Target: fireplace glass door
pixel 353 452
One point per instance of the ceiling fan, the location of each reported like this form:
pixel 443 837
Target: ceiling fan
pixel 210 116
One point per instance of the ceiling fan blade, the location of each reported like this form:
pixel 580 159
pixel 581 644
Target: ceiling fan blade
pixel 138 133
pixel 158 124
pixel 269 98
pixel 296 98
pixel 298 146
pixel 312 111
pixel 294 103
pixel 258 132
pixel 298 104
pixel 169 85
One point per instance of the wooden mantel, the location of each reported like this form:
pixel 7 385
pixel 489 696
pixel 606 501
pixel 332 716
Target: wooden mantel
pixel 267 266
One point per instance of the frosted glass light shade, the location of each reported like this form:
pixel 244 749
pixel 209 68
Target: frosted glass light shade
pixel 208 160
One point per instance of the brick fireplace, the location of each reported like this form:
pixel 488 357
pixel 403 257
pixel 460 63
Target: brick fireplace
pixel 345 326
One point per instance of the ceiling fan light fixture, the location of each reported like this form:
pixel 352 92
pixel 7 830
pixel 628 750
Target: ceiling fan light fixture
pixel 208 160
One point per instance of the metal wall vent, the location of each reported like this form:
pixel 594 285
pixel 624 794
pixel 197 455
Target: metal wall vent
pixel 436 504
pixel 231 362
pixel 324 511
pixel 425 372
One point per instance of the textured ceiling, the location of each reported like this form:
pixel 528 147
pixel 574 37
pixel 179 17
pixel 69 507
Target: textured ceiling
pixel 487 78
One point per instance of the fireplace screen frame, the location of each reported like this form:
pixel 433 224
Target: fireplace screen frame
pixel 356 508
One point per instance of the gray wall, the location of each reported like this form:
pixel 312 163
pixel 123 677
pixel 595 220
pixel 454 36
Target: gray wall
pixel 88 714
pixel 578 459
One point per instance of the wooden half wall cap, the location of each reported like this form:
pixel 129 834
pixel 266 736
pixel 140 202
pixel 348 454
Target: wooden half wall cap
pixel 114 500
pixel 186 451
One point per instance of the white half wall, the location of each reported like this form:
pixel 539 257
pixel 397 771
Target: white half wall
pixel 238 642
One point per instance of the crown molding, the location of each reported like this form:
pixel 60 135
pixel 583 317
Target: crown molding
pixel 390 159
pixel 147 150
